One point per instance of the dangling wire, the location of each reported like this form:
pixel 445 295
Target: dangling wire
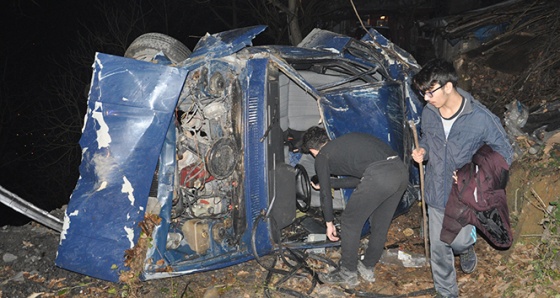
pixel 296 256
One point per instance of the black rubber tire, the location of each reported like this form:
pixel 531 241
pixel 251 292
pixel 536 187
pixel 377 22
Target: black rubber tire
pixel 303 189
pixel 146 46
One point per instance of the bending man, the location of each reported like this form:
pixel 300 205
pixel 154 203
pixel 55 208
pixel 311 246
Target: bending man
pixel 380 179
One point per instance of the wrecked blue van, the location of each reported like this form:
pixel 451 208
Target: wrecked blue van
pixel 207 143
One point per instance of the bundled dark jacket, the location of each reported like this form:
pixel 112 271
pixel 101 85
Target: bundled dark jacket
pixel 479 198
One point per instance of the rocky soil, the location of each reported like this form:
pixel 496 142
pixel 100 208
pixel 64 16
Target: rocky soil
pixel 27 267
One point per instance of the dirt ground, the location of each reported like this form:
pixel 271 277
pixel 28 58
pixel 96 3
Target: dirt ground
pixel 27 268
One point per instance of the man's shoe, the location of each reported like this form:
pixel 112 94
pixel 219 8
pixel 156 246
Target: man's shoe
pixel 342 277
pixel 468 260
pixel 365 272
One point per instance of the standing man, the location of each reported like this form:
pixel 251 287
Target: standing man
pixel 454 127
pixel 380 179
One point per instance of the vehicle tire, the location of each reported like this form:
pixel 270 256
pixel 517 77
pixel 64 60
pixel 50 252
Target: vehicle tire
pixel 303 189
pixel 146 46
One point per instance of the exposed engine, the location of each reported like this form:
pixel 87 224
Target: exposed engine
pixel 208 194
pixel 207 147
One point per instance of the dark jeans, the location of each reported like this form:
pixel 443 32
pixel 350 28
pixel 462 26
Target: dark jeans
pixel 376 197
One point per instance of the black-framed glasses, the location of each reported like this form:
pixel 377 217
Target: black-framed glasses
pixel 430 94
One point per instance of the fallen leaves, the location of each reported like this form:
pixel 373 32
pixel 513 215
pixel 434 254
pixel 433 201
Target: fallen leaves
pixel 408 232
pixel 35 277
pixel 56 283
pixel 134 257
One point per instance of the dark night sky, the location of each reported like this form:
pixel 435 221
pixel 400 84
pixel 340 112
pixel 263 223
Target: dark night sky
pixel 40 40
pixel 32 36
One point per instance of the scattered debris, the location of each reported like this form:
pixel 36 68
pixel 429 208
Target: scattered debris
pixel 533 128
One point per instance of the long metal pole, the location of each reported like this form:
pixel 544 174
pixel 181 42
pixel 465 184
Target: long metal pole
pixel 424 215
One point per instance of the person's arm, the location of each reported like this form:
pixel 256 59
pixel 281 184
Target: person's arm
pixel 423 147
pixel 336 182
pixel 496 138
pixel 323 174
pixel 344 182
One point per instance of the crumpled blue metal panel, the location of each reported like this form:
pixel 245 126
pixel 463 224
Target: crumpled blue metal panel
pixel 225 43
pixel 129 111
pixel 401 66
pixel 397 61
pixel 289 52
pixel 325 40
pixel 376 111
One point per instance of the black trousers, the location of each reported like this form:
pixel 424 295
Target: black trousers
pixel 376 197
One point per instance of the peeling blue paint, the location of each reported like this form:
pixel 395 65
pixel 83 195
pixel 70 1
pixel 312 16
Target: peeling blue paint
pixel 128 114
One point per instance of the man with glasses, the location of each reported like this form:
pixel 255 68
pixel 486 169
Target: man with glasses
pixel 454 126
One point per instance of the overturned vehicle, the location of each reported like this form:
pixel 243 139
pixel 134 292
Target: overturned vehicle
pixel 202 147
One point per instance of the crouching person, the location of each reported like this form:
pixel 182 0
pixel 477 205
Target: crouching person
pixel 379 177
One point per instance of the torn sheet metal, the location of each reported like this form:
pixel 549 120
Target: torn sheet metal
pixel 225 43
pixel 129 110
pixel 398 62
pixel 370 105
pixel 395 62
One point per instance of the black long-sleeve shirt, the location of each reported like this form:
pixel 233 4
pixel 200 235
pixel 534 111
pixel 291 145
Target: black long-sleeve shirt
pixel 348 155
